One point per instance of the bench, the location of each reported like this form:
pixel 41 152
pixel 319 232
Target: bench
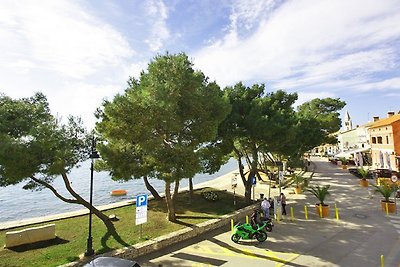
pixel 30 235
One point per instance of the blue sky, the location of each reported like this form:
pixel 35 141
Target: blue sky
pixel 80 52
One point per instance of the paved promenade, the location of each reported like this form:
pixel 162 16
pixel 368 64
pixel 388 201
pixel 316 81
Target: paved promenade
pixel 359 238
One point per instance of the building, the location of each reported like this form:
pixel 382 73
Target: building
pixel 385 142
pixel 353 143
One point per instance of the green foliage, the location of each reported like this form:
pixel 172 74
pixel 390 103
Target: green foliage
pixel 210 195
pixel 386 190
pixel 258 122
pixel 34 144
pixel 363 173
pixel 344 160
pixel 162 124
pixel 320 192
pixel 298 180
pixel 317 121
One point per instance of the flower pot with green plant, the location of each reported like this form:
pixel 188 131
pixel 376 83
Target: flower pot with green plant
pixel 344 162
pixel 298 180
pixel 386 190
pixel 363 176
pixel 321 192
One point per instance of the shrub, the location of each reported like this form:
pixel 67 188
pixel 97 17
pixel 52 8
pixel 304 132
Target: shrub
pixel 210 195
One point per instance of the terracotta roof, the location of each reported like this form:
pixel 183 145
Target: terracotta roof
pixel 386 121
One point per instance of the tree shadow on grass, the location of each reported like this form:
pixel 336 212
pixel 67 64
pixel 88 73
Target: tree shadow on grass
pixel 38 245
pixel 107 236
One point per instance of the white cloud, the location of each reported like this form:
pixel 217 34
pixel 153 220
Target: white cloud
pixel 307 96
pixel 247 14
pixel 388 84
pixel 307 41
pixel 83 99
pixel 57 47
pixel 59 36
pixel 157 13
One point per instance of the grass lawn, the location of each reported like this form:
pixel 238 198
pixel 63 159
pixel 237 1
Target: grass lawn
pixel 72 233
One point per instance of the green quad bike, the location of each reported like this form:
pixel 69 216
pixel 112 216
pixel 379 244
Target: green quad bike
pixel 246 231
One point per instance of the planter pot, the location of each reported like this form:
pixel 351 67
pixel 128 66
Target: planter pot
pixel 391 206
pixel 298 190
pixel 324 212
pixel 344 167
pixel 364 183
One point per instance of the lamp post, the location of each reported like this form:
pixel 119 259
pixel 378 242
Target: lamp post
pixel 93 155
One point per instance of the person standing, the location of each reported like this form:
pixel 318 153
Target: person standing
pixel 255 219
pixel 265 205
pixel 282 200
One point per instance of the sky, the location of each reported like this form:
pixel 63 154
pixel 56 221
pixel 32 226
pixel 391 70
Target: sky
pixel 79 53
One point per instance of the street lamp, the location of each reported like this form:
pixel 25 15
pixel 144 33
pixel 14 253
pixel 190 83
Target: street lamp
pixel 93 155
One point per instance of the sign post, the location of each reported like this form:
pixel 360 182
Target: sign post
pixel 141 211
pixel 254 182
pixel 234 185
pixel 394 181
pixel 280 177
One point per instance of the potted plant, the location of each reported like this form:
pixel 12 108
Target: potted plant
pixel 363 176
pixel 344 163
pixel 298 180
pixel 321 193
pixel 386 191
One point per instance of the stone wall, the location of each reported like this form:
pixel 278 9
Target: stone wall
pixel 30 235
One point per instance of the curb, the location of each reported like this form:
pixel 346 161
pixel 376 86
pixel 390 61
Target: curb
pixel 161 242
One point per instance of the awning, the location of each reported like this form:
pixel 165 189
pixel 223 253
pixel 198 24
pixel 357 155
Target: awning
pixel 351 152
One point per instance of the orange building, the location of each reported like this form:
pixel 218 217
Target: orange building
pixel 385 142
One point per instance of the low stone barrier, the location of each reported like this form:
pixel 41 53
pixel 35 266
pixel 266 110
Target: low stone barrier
pixel 132 252
pixel 30 235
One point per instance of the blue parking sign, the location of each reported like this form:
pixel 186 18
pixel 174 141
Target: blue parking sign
pixel 141 209
pixel 141 200
pixel 253 180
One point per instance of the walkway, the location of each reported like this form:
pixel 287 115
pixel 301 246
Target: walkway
pixel 361 235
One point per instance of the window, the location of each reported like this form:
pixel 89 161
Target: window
pixel 387 139
pixel 374 140
pixel 379 139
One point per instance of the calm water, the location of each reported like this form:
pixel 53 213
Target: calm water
pixel 17 203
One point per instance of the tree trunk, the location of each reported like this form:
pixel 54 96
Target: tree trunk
pixel 176 190
pixel 190 190
pixel 247 188
pixel 253 169
pixel 79 200
pixel 151 188
pixel 170 203
pixel 246 182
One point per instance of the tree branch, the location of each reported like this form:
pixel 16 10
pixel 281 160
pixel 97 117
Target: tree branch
pixel 47 185
pixel 78 198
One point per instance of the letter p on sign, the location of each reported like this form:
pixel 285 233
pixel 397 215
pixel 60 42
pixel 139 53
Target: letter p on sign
pixel 141 200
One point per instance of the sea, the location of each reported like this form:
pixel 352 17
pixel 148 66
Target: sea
pixel 17 203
